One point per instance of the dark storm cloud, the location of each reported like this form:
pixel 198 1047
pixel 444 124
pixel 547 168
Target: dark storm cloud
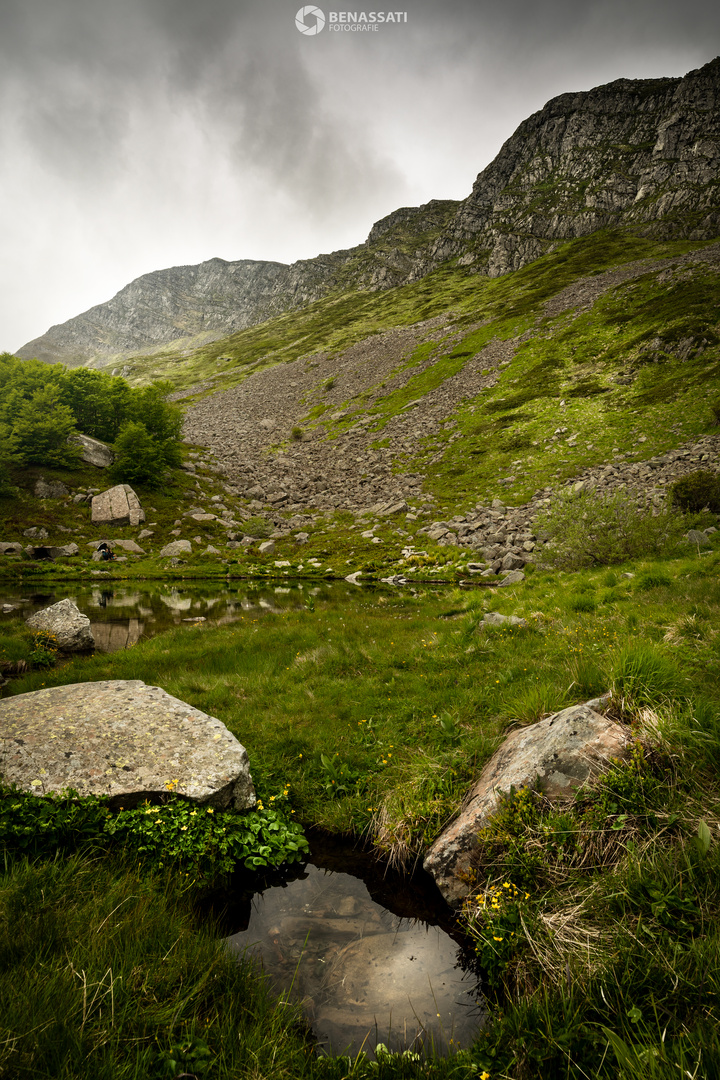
pixel 139 133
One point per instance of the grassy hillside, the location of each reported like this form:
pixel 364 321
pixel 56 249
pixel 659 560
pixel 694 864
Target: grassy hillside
pixel 373 718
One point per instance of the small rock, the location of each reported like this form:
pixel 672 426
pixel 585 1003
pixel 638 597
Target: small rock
pixel 557 755
pixel 267 547
pixel 118 505
pixel 694 536
pixel 513 578
pixel 494 618
pixel 177 547
pixel 94 452
pixel 55 489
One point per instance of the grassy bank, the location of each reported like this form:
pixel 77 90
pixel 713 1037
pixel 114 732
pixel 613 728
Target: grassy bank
pixel 378 718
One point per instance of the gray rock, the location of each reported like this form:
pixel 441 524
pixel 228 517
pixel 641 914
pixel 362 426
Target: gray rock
pixel 694 536
pixel 11 549
pixel 122 739
pixel 513 578
pixel 93 451
pixel 267 547
pixel 399 507
pixel 177 547
pixel 36 533
pixel 512 562
pixel 494 618
pixel 118 505
pixel 67 549
pixel 54 489
pixel 128 545
pixel 557 755
pixel 67 623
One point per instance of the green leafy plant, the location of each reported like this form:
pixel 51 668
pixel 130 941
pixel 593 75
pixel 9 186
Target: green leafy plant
pixel 496 926
pixel 338 777
pixel 205 843
pixel 35 826
pixel 188 1057
pixel 696 491
pixel 196 840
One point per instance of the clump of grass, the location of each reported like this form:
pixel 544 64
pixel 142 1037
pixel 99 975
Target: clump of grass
pixel 534 702
pixel 644 675
pixel 108 975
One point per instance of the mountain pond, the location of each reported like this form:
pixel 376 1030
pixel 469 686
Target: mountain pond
pixel 372 955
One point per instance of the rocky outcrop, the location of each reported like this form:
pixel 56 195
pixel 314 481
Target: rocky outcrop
pixel 124 740
pixel 118 505
pixel 93 451
pixel 556 756
pixel 643 153
pixel 67 624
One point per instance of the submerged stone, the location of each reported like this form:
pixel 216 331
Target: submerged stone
pixel 124 740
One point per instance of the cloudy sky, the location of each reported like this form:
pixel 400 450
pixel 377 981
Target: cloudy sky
pixel 141 134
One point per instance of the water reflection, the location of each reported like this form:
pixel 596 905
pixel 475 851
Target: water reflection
pixel 122 615
pixel 363 974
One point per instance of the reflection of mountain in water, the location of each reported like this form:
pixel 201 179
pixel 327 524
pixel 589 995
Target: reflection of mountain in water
pixel 111 636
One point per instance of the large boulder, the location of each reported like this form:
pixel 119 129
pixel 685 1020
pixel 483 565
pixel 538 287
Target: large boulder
pixel 125 740
pixel 93 451
pixel 118 505
pixel 556 756
pixel 67 623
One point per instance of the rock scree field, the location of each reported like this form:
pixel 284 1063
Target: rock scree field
pixel 499 420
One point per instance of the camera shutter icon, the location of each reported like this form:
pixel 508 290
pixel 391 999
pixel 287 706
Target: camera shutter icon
pixel 310 12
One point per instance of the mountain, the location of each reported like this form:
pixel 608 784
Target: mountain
pixel 643 154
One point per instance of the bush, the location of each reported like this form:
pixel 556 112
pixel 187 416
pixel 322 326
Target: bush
pixel 139 457
pixel 696 491
pixel 589 529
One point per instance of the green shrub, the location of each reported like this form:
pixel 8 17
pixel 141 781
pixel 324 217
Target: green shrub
pixel 653 579
pixel 139 457
pixel 696 491
pixel 257 527
pixel 589 529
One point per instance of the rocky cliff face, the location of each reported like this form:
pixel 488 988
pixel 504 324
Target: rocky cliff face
pixel 643 153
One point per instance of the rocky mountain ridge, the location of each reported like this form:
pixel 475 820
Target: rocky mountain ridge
pixel 637 153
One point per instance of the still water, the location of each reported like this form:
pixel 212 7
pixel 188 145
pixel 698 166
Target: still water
pixel 370 960
pixel 121 615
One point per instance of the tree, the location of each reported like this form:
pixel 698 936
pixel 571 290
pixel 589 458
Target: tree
pixel 140 458
pixel 40 428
